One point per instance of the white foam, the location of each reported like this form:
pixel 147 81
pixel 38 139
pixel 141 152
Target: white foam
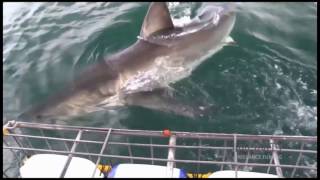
pixel 303 84
pixel 278 85
pixel 181 21
pixel 306 115
pixel 314 91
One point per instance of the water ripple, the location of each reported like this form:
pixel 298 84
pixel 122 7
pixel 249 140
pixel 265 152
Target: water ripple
pixel 270 74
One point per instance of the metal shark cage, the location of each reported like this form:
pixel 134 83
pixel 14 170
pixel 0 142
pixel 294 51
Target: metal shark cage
pixel 285 156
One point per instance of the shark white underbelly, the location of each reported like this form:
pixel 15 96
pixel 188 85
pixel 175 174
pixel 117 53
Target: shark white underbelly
pixel 162 74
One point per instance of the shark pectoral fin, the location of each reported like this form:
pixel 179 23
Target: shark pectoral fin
pixel 111 101
pixel 161 100
pixel 229 41
pixel 158 18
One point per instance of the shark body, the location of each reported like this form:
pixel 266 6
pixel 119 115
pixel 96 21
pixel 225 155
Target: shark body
pixel 141 74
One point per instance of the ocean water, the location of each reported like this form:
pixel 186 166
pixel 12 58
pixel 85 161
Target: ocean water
pixel 265 84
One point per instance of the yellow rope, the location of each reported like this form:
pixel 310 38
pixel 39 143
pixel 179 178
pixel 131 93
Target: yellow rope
pixel 195 175
pixel 5 131
pixel 104 168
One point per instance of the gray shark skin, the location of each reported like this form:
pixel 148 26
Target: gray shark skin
pixel 141 74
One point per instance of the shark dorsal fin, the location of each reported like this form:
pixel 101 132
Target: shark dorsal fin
pixel 157 18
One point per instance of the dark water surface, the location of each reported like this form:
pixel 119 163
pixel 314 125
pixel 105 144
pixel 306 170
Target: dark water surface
pixel 266 84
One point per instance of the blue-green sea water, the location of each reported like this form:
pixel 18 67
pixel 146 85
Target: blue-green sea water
pixel 265 84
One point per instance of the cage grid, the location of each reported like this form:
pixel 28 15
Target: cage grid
pixel 285 156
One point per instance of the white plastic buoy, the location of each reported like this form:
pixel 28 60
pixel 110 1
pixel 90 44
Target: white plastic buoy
pixel 143 171
pixel 240 174
pixel 51 166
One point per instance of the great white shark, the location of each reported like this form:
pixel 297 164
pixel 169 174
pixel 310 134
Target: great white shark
pixel 141 74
